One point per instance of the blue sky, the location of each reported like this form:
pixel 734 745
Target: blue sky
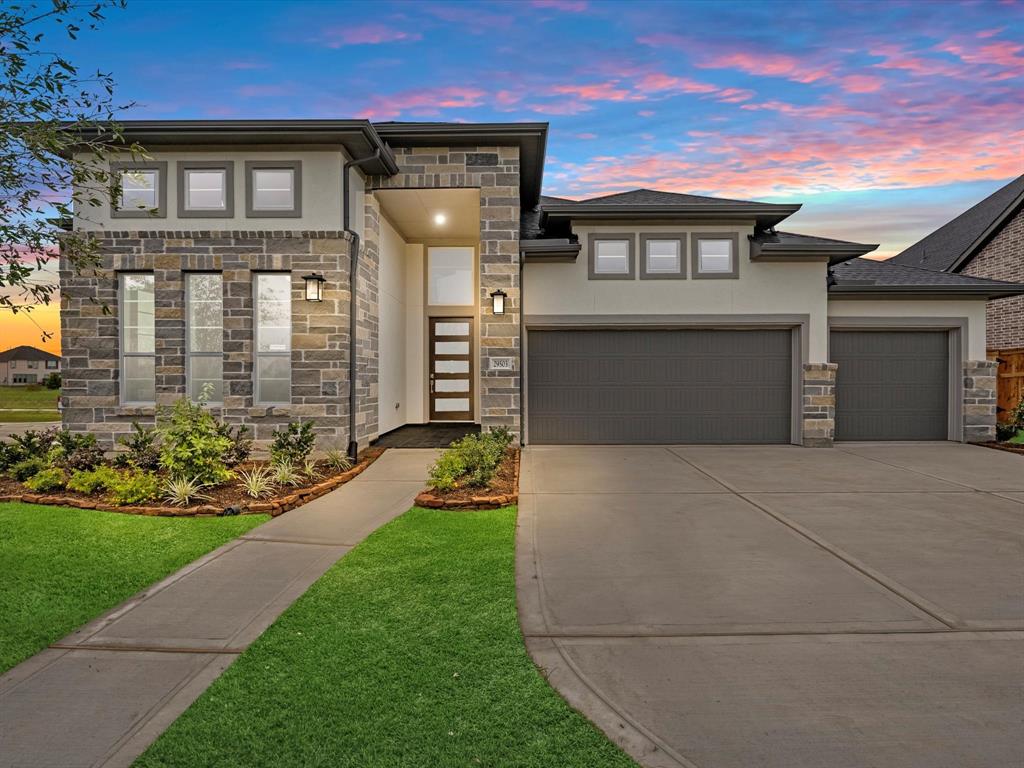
pixel 884 119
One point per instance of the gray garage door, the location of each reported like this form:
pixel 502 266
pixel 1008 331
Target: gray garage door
pixel 659 386
pixel 891 385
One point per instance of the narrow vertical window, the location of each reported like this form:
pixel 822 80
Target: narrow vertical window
pixel 138 350
pixel 204 297
pixel 272 291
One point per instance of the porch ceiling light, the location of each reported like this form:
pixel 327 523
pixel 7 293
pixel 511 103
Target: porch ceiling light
pixel 498 301
pixel 314 286
pixel 440 219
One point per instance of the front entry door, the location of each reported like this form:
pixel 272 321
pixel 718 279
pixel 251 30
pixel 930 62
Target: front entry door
pixel 451 369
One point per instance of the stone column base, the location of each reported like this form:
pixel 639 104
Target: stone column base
pixel 979 408
pixel 819 404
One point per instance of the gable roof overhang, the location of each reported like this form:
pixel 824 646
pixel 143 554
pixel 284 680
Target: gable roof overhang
pixel 789 246
pixel 531 138
pixel 871 290
pixel 989 231
pixel 766 215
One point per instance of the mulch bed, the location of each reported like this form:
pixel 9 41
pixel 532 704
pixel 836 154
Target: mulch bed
pixel 1010 447
pixel 222 498
pixel 503 490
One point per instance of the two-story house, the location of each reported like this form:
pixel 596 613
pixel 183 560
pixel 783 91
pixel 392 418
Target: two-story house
pixel 27 365
pixel 642 317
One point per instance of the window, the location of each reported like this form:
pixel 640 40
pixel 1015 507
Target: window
pixel 51 365
pixel 14 363
pixel 714 255
pixel 204 298
pixel 663 257
pixel 273 188
pixel 611 257
pixel 143 190
pixel 138 352
pixel 32 364
pixel 273 337
pixel 206 189
pixel 450 277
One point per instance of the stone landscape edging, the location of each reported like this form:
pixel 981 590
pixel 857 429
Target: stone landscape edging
pixel 273 508
pixel 428 499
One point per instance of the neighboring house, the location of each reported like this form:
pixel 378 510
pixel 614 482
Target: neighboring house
pixel 27 365
pixel 641 317
pixel 984 241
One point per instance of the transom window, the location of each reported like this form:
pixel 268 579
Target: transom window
pixel 274 188
pixel 450 277
pixel 611 256
pixel 204 297
pixel 142 190
pixel 714 255
pixel 273 337
pixel 138 348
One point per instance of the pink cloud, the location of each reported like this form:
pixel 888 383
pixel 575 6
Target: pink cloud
pixel 734 95
pixel 364 34
pixel 586 136
pixel 244 64
pixel 567 6
pixel 423 102
pixel 608 91
pixel 646 113
pixel 264 89
pixel 658 82
pixel 861 83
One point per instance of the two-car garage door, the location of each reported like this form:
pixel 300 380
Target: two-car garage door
pixel 659 386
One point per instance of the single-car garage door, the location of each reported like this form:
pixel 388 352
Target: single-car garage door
pixel 891 385
pixel 659 386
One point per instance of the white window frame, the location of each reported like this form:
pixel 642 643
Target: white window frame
pixel 157 166
pixel 122 354
pixel 191 354
pixel 251 211
pixel 257 355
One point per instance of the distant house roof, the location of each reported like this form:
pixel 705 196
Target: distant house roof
pixel 25 352
pixel 950 246
pixel 869 277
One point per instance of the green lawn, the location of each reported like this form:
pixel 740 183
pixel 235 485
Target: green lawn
pixel 34 397
pixel 61 567
pixel 406 653
pixel 10 417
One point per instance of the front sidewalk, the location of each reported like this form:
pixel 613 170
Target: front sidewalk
pixel 100 696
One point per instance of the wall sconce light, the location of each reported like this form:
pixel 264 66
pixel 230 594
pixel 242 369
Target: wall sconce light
pixel 314 287
pixel 498 301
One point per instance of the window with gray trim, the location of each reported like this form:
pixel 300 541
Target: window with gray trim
pixel 715 255
pixel 662 256
pixel 273 365
pixel 143 190
pixel 204 300
pixel 611 257
pixel 206 189
pixel 136 303
pixel 273 188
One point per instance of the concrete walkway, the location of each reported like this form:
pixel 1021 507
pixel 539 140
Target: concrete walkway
pixel 781 607
pixel 102 695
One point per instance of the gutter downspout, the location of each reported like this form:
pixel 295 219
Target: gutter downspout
pixel 346 204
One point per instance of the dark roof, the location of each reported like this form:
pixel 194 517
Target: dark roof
pixel 25 352
pixel 790 246
pixel 653 204
pixel 866 276
pixel 950 246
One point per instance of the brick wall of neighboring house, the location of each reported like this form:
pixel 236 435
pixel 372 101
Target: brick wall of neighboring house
pixel 495 172
pixel 319 337
pixel 1002 258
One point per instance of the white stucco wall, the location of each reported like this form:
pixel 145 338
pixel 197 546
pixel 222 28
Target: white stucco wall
pixel 971 309
pixel 415 336
pixel 321 193
pixel 391 403
pixel 761 288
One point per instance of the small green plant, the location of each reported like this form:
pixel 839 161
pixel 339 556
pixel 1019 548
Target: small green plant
pixel 27 468
pixel 471 461
pixel 181 491
pixel 286 474
pixel 337 460
pixel 92 481
pixel 141 449
pixel 133 486
pixel 52 479
pixel 192 446
pixel 311 470
pixel 52 381
pixel 72 451
pixel 10 454
pixel 35 442
pixel 293 443
pixel 240 444
pixel 258 482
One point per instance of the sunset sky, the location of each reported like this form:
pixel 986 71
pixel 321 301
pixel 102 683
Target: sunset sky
pixel 884 119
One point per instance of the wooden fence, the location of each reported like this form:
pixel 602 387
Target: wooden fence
pixel 1010 379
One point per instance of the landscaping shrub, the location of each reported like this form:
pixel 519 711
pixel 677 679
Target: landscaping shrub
pixel 192 446
pixel 91 481
pixel 52 381
pixel 36 442
pixel 10 454
pixel 258 483
pixel 183 490
pixel 52 479
pixel 337 460
pixel 470 461
pixel 141 449
pixel 133 486
pixel 27 468
pixel 240 444
pixel 293 444
pixel 71 451
pixel 287 474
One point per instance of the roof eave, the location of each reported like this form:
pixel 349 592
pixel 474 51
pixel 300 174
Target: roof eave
pixel 927 291
pixel 549 250
pixel 766 215
pixel 1009 211
pixel 833 254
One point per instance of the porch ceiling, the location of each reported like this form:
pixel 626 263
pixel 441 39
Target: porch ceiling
pixel 412 212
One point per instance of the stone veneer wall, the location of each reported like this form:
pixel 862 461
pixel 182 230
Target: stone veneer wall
pixel 495 172
pixel 819 404
pixel 90 340
pixel 979 401
pixel 1002 258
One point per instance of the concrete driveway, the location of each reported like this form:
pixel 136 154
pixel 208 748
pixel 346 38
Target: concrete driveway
pixel 732 607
